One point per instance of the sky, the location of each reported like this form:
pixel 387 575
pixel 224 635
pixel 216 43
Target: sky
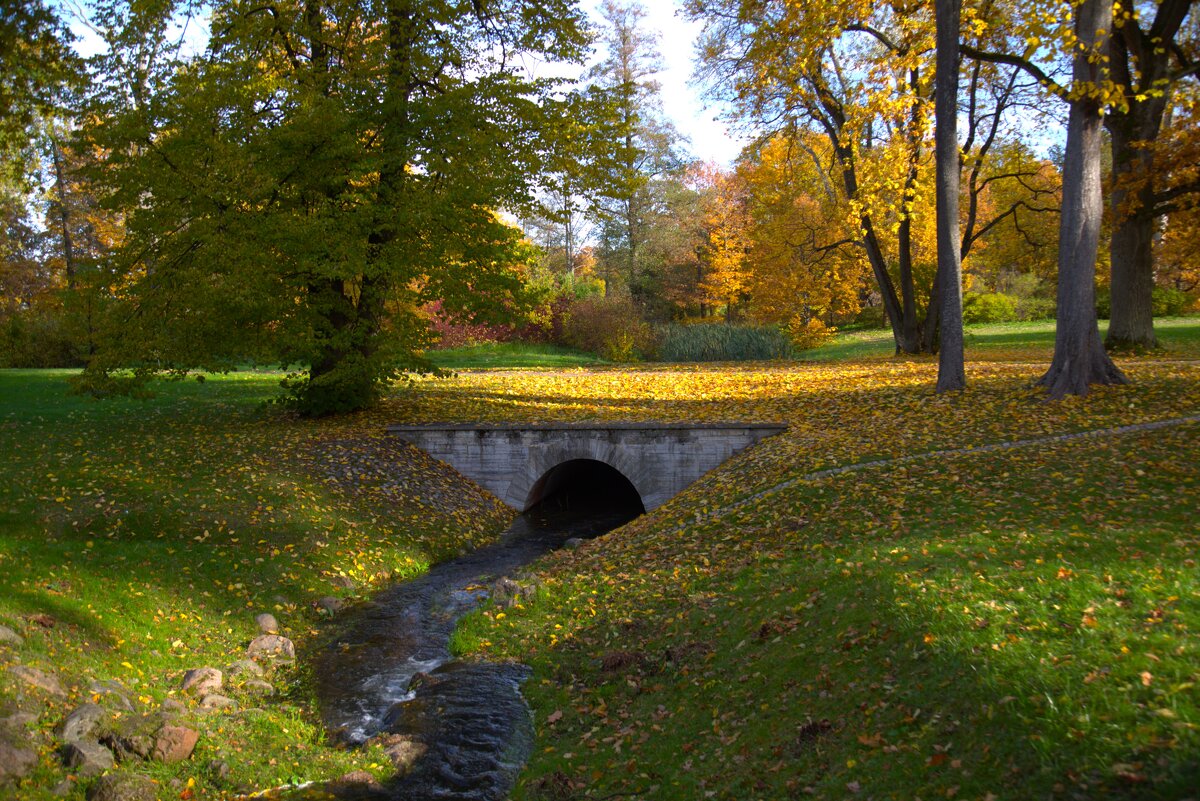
pixel 711 140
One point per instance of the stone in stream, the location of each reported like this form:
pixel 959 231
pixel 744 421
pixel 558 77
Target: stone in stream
pixel 267 624
pixel 15 762
pixel 80 724
pixel 87 757
pixel 404 750
pixel 202 681
pixel 478 738
pixel 123 787
pixel 38 678
pixel 271 646
pixel 10 637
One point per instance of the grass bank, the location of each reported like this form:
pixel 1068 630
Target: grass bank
pixel 139 539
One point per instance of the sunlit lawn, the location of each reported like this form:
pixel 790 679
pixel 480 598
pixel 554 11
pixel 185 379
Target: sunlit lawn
pixel 1178 336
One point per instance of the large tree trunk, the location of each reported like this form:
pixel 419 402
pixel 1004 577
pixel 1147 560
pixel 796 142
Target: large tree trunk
pixel 948 292
pixel 1079 357
pixel 1141 65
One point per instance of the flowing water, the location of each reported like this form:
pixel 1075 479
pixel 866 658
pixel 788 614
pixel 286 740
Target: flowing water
pixel 389 671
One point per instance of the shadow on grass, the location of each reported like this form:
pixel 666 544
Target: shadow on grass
pixel 1024 631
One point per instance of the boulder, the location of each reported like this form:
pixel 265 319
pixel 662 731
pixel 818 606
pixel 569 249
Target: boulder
pixel 87 757
pixel 330 605
pixel 357 781
pixel 258 687
pixel 214 702
pixel 80 724
pixel 113 694
pixel 245 667
pixel 202 681
pixel 15 762
pixel 173 743
pixel 16 725
pixel 343 583
pixel 267 624
pixel 10 637
pixel 404 751
pixel 171 707
pixel 38 678
pixel 123 787
pixel 507 593
pixel 271 646
pixel 127 747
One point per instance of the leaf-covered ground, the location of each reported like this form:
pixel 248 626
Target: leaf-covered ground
pixel 1017 623
pixel 1010 624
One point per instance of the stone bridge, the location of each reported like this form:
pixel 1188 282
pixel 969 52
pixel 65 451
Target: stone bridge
pixel 524 464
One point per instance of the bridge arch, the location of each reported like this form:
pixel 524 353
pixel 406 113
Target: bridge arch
pixel 585 482
pixel 548 462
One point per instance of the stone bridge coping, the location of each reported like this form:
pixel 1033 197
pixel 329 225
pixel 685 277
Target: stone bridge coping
pixel 587 427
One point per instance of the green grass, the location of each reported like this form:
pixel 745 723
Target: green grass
pixel 1015 625
pixel 1178 336
pixel 139 538
pixel 511 356
pixel 1029 633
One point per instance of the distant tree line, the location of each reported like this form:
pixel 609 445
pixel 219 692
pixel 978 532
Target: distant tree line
pixel 332 185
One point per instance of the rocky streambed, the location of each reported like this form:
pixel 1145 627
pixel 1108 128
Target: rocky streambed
pixel 454 729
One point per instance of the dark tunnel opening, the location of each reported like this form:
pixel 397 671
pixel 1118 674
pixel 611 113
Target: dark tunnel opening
pixel 586 486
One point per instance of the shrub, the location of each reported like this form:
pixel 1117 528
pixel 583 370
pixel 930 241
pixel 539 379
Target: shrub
pixel 609 327
pixel 452 331
pixel 871 317
pixel 1170 302
pixel 810 334
pixel 1165 302
pixel 1036 308
pixel 38 338
pixel 717 342
pixel 990 307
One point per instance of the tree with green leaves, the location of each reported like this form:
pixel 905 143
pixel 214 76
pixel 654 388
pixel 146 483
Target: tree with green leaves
pixel 38 70
pixel 647 151
pixel 325 167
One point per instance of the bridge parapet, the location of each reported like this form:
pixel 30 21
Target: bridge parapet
pixel 658 459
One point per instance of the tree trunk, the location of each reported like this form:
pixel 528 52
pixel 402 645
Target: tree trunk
pixel 948 284
pixel 1131 321
pixel 1141 62
pixel 64 214
pixel 1079 357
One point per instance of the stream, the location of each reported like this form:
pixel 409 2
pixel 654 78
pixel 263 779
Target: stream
pixel 389 672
